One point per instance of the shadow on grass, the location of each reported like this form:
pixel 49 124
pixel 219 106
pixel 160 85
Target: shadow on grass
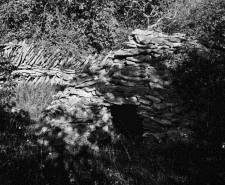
pixel 130 161
pixel 18 154
pixel 23 161
pixel 142 161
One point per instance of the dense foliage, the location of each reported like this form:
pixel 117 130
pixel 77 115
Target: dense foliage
pixel 77 26
pixel 81 27
pixel 200 78
pixel 203 19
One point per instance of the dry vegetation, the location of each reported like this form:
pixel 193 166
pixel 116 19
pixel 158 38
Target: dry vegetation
pixel 140 161
pixel 33 98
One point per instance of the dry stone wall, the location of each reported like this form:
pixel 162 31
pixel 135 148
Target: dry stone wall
pixel 37 65
pixel 129 89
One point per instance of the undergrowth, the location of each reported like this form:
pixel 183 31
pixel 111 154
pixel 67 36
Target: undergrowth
pixel 33 98
pixel 133 161
pixel 128 162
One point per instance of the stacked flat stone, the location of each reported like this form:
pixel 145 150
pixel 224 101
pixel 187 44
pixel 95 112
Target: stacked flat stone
pixel 36 65
pixel 130 76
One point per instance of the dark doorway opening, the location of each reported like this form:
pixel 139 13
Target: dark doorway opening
pixel 126 120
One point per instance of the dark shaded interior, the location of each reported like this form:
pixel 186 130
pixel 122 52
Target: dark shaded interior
pixel 126 120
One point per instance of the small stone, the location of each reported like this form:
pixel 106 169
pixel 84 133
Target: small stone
pixel 155 85
pixel 80 92
pixel 166 122
pixel 176 45
pixel 141 58
pixel 123 83
pixel 130 44
pixel 134 99
pixel 98 93
pixel 159 106
pixel 88 89
pixel 167 83
pixel 144 101
pixel 132 52
pixel 130 63
pixel 93 93
pixel 85 84
pixel 153 98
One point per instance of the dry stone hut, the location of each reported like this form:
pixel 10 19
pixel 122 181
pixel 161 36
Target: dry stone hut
pixel 128 89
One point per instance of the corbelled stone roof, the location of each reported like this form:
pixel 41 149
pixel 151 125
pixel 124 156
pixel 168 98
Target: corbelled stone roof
pixel 129 76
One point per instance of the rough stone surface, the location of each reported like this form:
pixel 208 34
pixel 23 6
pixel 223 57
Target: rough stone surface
pixel 127 77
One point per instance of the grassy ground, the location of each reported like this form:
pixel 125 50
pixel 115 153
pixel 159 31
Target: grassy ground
pixel 128 162
pixel 33 99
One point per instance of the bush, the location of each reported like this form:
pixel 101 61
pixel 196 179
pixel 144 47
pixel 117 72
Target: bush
pixel 80 28
pixel 17 145
pixel 201 18
pixel 33 98
pixel 199 76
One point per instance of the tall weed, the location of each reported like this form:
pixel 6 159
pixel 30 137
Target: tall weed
pixel 33 98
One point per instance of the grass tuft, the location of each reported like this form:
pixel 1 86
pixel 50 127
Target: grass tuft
pixel 33 98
